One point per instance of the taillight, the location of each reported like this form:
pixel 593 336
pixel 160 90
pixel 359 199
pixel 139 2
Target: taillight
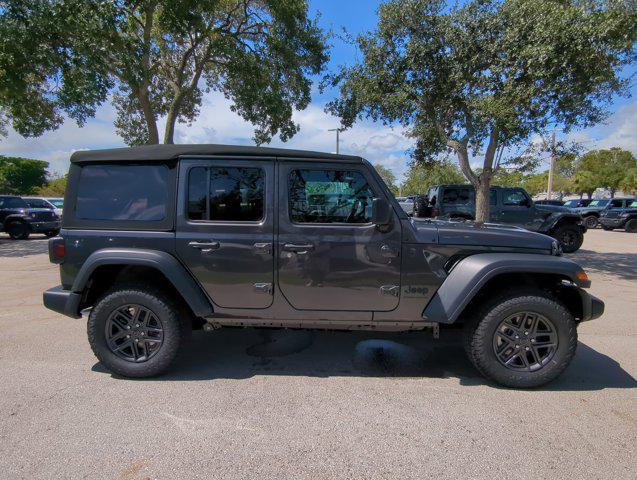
pixel 57 250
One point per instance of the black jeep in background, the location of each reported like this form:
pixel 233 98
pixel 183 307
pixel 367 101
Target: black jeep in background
pixel 19 220
pixel 221 236
pixel 509 206
pixel 591 212
pixel 620 213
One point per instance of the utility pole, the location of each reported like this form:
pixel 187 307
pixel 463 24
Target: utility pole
pixel 338 131
pixel 549 191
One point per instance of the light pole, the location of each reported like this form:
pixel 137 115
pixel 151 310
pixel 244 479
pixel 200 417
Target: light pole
pixel 338 131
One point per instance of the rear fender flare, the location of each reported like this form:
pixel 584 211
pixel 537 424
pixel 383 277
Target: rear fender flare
pixel 166 263
pixel 472 273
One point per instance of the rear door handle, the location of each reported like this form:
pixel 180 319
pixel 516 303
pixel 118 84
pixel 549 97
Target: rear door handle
pixel 300 249
pixel 205 247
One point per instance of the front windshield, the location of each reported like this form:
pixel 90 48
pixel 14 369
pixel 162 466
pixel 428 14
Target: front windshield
pixel 12 202
pixel 58 202
pixel 598 203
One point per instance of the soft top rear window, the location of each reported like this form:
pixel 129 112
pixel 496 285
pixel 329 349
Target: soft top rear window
pixel 123 192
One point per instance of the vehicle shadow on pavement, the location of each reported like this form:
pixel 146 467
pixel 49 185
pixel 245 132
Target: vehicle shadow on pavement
pixel 238 354
pixel 622 265
pixel 23 248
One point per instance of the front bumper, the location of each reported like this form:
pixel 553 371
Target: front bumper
pixel 612 222
pixel 38 227
pixel 592 307
pixel 63 301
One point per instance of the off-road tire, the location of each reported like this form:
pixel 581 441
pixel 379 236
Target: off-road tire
pixel 52 233
pixel 607 229
pixel 162 306
pixel 631 226
pixel 18 230
pixel 591 221
pixel 480 331
pixel 575 232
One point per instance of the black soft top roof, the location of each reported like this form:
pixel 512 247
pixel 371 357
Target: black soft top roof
pixel 171 152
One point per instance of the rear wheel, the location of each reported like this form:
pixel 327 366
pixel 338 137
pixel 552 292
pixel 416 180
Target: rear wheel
pixel 570 237
pixel 522 339
pixel 52 233
pixel 631 225
pixel 608 229
pixel 591 221
pixel 18 230
pixel 136 331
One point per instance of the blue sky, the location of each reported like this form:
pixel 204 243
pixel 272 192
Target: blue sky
pixel 374 141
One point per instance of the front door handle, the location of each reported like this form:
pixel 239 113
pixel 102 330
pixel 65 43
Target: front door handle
pixel 300 249
pixel 205 247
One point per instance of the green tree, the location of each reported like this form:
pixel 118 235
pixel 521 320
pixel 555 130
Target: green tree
pixel 388 176
pixel 421 176
pixel 536 183
pixel 21 176
pixel 508 178
pixel 156 58
pixel 604 168
pixel 54 187
pixel 488 74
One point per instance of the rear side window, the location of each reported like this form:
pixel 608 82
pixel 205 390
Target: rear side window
pixel 455 196
pixel 329 196
pixel 514 198
pixel 232 194
pixel 122 192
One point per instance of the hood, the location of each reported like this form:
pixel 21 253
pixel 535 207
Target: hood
pixel 488 235
pixel 554 208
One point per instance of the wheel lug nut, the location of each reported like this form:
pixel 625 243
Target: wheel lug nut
pixel 517 346
pixel 533 340
pixel 517 336
pixel 527 349
pixel 137 326
pixel 127 336
pixel 526 333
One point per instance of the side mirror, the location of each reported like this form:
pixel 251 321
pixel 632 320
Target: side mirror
pixel 381 212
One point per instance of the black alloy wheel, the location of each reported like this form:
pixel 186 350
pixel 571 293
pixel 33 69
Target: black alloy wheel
pixel 591 221
pixel 134 333
pixel 525 341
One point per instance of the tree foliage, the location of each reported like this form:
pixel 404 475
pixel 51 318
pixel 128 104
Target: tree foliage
pixel 54 187
pixel 156 58
pixel 421 176
pixel 388 176
pixel 21 176
pixel 612 169
pixel 488 74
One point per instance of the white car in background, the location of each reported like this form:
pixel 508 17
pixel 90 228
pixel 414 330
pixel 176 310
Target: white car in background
pixel 407 204
pixel 52 203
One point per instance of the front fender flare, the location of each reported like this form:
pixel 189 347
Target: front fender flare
pixel 166 263
pixel 472 273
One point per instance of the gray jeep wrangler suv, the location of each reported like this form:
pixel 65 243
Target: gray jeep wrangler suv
pixel 158 240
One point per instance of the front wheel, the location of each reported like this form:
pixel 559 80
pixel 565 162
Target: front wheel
pixel 52 233
pixel 570 237
pixel 631 226
pixel 136 332
pixel 591 221
pixel 522 340
pixel 18 230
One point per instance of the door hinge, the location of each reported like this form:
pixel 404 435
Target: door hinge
pixel 263 288
pixel 390 290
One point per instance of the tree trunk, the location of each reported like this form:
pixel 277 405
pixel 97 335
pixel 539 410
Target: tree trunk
pixel 149 117
pixel 483 205
pixel 169 133
pixel 612 193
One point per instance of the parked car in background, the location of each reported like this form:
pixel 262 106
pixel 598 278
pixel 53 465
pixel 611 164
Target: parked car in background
pixel 620 213
pixel 511 206
pixel 19 220
pixel 557 203
pixel 54 204
pixel 577 203
pixel 221 236
pixel 591 212
pixel 407 204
